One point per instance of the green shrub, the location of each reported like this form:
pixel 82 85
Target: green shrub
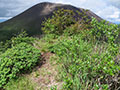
pixel 59 22
pixel 4 46
pixel 22 37
pixel 22 83
pixel 103 31
pixel 86 66
pixel 17 60
pixel 63 20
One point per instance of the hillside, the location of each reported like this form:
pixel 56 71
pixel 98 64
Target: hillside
pixel 31 19
pixel 71 55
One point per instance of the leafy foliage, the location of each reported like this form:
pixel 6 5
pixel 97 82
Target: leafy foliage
pixel 103 31
pixel 59 21
pixel 22 37
pixel 85 68
pixel 81 64
pixel 63 20
pixel 18 58
pixel 22 83
pixel 88 54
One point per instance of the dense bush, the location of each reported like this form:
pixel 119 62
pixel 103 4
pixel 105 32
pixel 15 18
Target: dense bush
pixel 104 31
pixel 59 22
pixel 22 37
pixel 20 57
pixel 4 46
pixel 63 20
pixel 86 66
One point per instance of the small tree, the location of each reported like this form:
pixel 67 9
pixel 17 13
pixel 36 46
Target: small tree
pixel 60 20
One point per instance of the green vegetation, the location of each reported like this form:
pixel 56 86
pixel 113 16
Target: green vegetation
pixel 15 27
pixel 65 21
pixel 22 83
pixel 83 67
pixel 87 54
pixel 19 58
pixel 59 22
pixel 103 31
pixel 88 58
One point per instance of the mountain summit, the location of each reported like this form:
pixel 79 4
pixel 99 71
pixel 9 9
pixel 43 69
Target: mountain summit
pixel 31 19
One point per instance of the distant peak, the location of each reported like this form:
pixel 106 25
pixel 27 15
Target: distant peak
pixel 46 3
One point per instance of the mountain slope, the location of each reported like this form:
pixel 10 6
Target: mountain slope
pixel 31 19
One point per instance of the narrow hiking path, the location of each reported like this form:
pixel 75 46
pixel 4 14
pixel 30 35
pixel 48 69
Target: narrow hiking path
pixel 45 75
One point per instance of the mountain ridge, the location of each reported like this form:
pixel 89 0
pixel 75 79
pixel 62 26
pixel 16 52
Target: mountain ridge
pixel 31 19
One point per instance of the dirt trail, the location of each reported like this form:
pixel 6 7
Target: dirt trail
pixel 45 75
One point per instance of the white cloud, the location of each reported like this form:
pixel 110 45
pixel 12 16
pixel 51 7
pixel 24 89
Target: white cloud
pixel 2 19
pixel 115 15
pixel 115 2
pixel 5 17
pixel 109 12
pixel 107 9
pixel 104 8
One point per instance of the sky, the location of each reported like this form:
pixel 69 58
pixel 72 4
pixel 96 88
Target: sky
pixel 107 9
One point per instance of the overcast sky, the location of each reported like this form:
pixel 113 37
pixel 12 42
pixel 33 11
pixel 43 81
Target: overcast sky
pixel 107 9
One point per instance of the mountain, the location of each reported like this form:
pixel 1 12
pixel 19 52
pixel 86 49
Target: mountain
pixel 31 19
